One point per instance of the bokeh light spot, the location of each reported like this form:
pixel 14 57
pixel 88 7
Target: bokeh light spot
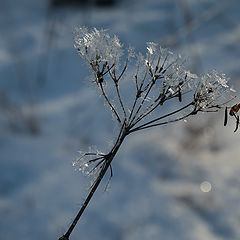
pixel 205 186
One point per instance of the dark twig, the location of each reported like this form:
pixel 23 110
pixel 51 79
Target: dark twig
pixel 109 103
pixel 159 118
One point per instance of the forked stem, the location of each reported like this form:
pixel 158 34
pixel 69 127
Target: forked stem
pixel 107 163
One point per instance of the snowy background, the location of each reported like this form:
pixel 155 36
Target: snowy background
pixel 181 181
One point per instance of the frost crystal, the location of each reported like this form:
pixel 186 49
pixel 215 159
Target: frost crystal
pixel 212 89
pixel 97 46
pixel 88 163
pixel 151 47
pixel 158 76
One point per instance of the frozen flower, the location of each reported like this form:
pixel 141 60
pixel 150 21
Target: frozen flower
pixel 158 76
pixel 212 89
pixel 97 45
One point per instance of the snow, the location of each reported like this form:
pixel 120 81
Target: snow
pixel 52 111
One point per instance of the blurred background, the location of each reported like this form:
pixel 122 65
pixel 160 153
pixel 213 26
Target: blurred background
pixel 180 181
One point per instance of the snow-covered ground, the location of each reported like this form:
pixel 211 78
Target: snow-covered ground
pixel 180 182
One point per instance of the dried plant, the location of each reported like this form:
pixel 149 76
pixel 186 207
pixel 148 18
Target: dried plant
pixel 148 82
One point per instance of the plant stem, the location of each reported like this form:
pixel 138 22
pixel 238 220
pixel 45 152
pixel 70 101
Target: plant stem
pixel 108 159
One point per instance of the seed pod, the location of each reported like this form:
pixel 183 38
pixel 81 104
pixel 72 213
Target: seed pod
pixel 237 123
pixel 179 95
pixel 225 116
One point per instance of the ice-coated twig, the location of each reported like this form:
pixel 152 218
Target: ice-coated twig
pixel 145 125
pixel 158 78
pixel 109 103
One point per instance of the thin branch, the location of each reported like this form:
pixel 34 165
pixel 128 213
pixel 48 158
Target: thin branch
pixel 138 92
pixel 110 177
pixel 161 68
pixel 115 80
pixel 158 62
pixel 209 110
pixel 159 100
pixel 120 100
pixel 147 112
pixel 123 71
pixel 164 116
pixel 136 76
pixel 162 123
pixel 170 65
pixel 133 107
pixel 93 189
pixel 143 80
pixel 109 103
pixel 94 154
pixel 111 74
pixel 108 69
pixel 95 167
pixel 142 102
pixel 119 136
pixel 151 107
pixel 136 82
pixel 94 160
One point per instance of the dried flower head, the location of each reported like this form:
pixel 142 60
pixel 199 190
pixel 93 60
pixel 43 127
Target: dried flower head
pixel 212 90
pixel 158 77
pixel 97 46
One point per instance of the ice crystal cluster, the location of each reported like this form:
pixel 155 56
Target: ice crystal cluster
pixel 97 46
pixel 152 79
